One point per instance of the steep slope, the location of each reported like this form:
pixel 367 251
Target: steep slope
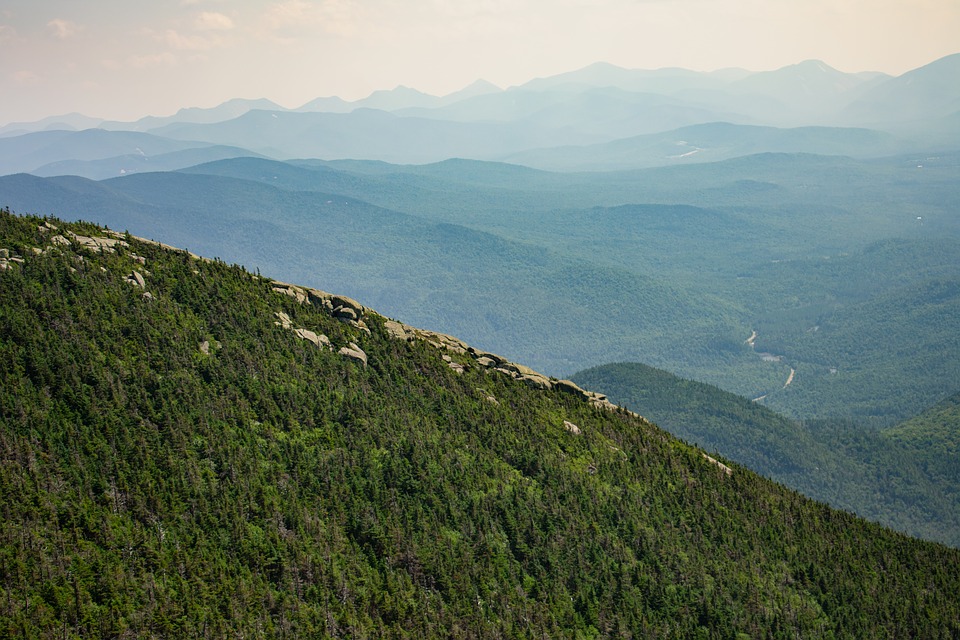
pixel 923 94
pixel 935 437
pixel 905 477
pixel 183 455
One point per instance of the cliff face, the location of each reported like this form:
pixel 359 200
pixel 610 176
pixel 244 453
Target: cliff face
pixel 188 449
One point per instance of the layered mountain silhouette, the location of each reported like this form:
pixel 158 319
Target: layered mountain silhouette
pixel 544 118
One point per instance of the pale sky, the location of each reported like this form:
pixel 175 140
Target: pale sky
pixel 123 59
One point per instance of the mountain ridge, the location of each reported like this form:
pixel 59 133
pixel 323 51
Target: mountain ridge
pixel 204 463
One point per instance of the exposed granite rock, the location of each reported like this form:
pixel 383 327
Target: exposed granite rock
pixel 724 468
pixel 97 243
pixel 136 278
pixel 283 320
pixel 318 339
pixel 536 381
pixel 207 345
pixel 341 307
pixel 296 293
pixel 398 330
pixel 354 353
pixel 322 341
pixel 572 428
pixel 345 313
pixel 342 302
pixel 568 386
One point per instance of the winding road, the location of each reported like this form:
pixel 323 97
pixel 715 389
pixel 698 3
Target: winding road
pixel 752 342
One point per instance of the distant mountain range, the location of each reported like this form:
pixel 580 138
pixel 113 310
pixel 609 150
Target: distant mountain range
pixel 592 118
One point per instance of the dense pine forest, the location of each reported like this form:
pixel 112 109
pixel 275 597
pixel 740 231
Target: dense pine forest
pixel 188 450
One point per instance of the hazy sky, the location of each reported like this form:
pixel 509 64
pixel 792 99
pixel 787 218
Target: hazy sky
pixel 123 59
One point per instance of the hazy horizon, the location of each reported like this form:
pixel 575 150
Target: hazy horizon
pixel 117 61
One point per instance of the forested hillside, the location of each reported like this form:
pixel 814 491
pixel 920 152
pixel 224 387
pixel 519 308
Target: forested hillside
pixel 906 477
pixel 192 450
pixel 935 437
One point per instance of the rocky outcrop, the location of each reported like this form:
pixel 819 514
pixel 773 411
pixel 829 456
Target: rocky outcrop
pixel 95 243
pixel 8 261
pixel 320 340
pixel 456 366
pixel 208 346
pixel 354 352
pixel 724 468
pixel 572 428
pixel 485 360
pixel 341 307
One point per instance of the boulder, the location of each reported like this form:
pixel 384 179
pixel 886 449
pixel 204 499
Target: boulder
pixel 397 330
pixel 322 341
pixel 345 313
pixel 136 278
pixel 354 353
pixel 724 468
pixel 283 320
pixel 103 245
pixel 293 291
pixel 537 382
pixel 350 303
pixel 572 428
pixel 479 353
pixel 568 386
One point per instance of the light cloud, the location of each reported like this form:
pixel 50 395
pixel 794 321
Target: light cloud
pixel 291 18
pixel 213 21
pixel 63 29
pixel 181 42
